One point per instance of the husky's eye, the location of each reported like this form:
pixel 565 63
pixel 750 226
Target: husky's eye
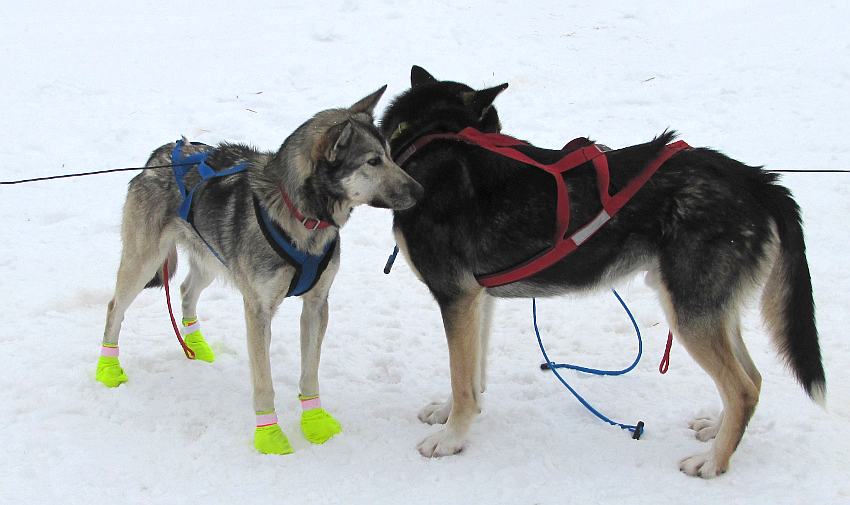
pixel 374 161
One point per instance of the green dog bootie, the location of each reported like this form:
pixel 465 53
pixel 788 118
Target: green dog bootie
pixel 316 424
pixel 195 340
pixel 268 437
pixel 109 371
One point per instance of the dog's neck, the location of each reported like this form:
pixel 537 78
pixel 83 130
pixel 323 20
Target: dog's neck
pixel 289 176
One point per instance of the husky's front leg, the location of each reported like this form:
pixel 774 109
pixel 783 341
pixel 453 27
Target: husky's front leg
pixel 438 412
pixel 268 437
pixel 317 425
pixel 461 318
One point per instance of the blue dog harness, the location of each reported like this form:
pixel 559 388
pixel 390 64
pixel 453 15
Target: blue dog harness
pixel 308 267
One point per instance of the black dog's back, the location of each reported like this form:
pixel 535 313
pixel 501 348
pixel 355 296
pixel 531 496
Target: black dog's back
pixel 506 209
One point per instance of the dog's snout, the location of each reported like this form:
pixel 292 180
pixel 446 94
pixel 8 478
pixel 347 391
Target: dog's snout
pixel 416 191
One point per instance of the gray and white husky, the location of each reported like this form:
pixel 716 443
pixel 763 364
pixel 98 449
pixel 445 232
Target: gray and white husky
pixel 304 193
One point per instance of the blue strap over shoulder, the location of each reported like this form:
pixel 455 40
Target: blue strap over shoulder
pixel 186 163
pixel 309 267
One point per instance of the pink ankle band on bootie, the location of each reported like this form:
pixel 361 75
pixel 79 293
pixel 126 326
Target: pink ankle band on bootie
pixel 312 403
pixel 192 328
pixel 111 352
pixel 266 419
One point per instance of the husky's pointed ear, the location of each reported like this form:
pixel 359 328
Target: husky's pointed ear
pixel 419 76
pixel 367 104
pixel 481 100
pixel 337 139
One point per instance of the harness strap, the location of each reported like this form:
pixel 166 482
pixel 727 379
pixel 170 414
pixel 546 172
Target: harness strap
pixel 205 171
pixel 505 145
pixel 611 205
pixel 308 267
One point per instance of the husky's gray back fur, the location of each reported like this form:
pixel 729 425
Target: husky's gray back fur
pixel 310 166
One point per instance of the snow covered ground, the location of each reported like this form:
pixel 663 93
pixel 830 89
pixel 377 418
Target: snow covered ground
pixel 93 85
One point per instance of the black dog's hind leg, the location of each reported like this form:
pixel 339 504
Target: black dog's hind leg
pixel 701 291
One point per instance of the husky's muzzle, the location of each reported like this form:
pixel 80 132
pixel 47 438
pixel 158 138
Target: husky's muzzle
pixel 401 198
pixel 398 191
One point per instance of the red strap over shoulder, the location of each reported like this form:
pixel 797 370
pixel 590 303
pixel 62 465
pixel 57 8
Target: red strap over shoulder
pixel 505 145
pixel 611 204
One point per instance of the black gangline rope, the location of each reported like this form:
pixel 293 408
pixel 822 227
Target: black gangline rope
pixel 111 170
pixel 128 169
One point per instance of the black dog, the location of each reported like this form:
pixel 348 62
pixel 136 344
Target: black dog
pixel 707 228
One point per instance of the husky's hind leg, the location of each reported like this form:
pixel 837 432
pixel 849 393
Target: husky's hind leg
pixel 707 426
pixel 195 282
pixel 712 338
pixel 709 344
pixel 141 261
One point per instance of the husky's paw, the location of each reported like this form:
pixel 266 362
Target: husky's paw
pixel 702 465
pixel 199 346
pixel 318 426
pixel 436 412
pixel 109 371
pixel 706 426
pixel 441 443
pixel 270 439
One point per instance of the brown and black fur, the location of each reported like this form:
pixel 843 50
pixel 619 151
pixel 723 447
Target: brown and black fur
pixel 707 228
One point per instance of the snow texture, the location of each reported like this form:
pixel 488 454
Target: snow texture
pixel 92 85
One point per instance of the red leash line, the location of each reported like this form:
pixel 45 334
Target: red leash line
pixel 665 361
pixel 188 352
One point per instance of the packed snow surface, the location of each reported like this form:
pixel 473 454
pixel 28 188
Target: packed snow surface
pixel 92 85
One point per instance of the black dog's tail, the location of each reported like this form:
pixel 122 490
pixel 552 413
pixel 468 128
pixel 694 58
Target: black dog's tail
pixel 156 282
pixel 787 304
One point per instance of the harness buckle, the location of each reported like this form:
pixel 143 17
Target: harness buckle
pixel 315 225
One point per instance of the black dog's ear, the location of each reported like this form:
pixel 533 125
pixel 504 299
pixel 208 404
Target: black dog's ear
pixel 367 104
pixel 419 76
pixel 337 139
pixel 481 100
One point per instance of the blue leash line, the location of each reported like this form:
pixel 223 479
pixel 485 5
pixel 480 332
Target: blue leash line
pixel 594 371
pixel 635 429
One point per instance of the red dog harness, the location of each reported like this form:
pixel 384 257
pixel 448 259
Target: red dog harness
pixel 562 245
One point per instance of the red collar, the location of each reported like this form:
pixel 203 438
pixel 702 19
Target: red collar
pixel 310 223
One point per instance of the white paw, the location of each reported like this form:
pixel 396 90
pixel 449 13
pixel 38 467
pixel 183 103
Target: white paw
pixel 436 412
pixel 441 443
pixel 701 465
pixel 706 426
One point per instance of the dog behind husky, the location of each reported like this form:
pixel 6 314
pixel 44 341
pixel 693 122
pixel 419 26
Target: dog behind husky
pixel 707 228
pixel 256 225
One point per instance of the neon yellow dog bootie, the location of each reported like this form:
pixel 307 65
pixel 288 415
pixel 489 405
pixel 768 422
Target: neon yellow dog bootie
pixel 109 371
pixel 195 340
pixel 316 424
pixel 268 437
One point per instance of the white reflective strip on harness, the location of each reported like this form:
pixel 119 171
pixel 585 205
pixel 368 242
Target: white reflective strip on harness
pixel 589 229
pixel 192 328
